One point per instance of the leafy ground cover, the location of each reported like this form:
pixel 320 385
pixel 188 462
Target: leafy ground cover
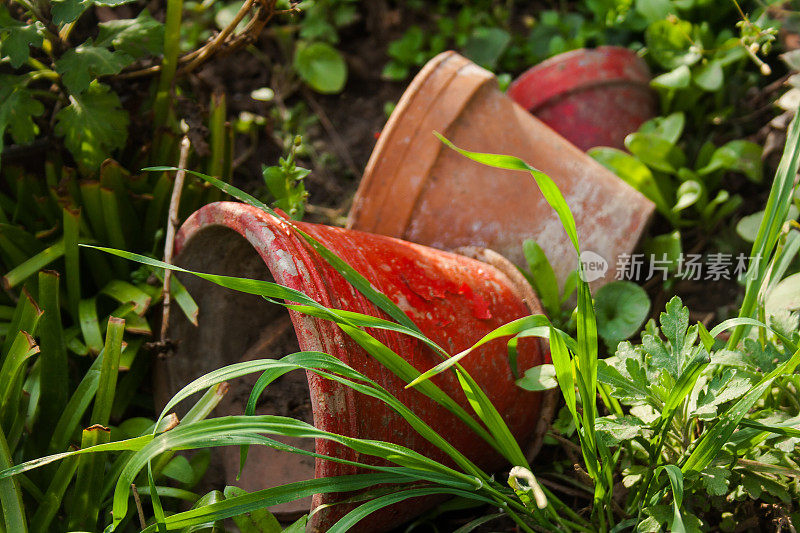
pixel 686 421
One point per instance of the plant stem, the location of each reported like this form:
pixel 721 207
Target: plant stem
pixel 172 33
pixel 172 223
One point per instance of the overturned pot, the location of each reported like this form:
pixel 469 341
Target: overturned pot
pixel 455 300
pixel 593 97
pixel 417 189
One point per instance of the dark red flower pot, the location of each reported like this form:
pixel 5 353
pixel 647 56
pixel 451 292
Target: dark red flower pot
pixel 454 299
pixel 593 97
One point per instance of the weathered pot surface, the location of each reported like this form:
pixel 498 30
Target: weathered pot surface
pixel 417 189
pixel 593 97
pixel 454 300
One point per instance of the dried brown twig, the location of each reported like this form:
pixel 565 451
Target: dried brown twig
pixel 224 42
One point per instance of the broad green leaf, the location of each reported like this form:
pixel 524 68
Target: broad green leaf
pixel 669 43
pixel 634 173
pixel 93 125
pixel 621 308
pixel 669 128
pixel 79 66
pixel 656 152
pixel 321 66
pixel 257 521
pixel 137 37
pixel 485 46
pixel 66 11
pixel 677 78
pixel 740 156
pixel 709 76
pixel 542 377
pixel 666 249
pixel 542 276
pixel 653 10
pixel 688 193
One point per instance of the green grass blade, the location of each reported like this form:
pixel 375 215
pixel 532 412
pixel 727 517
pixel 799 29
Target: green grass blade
pixel 72 221
pixel 124 292
pixel 25 318
pixel 10 494
pixel 90 325
pixel 362 511
pixel 109 369
pixel 85 503
pixel 54 497
pixel 53 360
pixel 76 407
pixel 33 265
pixel 11 374
pixel 349 273
pixel 713 440
pixel 113 225
pixel 780 198
pixel 276 495
pixel 512 328
pixel 234 430
pixel 546 185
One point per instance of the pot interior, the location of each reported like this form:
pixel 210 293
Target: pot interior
pixel 235 327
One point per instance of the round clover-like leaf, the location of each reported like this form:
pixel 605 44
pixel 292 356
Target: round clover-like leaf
pixel 621 308
pixel 321 66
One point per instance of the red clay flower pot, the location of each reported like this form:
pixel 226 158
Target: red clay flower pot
pixel 455 300
pixel 593 97
pixel 417 189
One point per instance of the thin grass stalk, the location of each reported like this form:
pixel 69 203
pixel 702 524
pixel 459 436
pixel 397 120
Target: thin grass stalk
pixel 10 494
pixel 54 373
pixel 169 64
pixel 72 221
pixel 84 507
pixel 780 198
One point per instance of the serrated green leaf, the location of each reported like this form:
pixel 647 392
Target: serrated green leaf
pixel 93 125
pixel 716 480
pixel 613 429
pixel 17 109
pixel 674 323
pixel 78 66
pixel 17 38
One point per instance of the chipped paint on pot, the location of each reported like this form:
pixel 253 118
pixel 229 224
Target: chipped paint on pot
pixel 416 189
pixel 593 97
pixel 455 300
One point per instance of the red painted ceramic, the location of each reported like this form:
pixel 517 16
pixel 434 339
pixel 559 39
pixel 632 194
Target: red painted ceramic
pixel 417 189
pixel 454 299
pixel 593 97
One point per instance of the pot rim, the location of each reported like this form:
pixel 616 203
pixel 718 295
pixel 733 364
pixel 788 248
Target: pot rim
pixel 447 74
pixel 568 73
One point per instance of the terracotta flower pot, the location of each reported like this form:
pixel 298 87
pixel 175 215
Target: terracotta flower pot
pixel 593 97
pixel 417 189
pixel 455 300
